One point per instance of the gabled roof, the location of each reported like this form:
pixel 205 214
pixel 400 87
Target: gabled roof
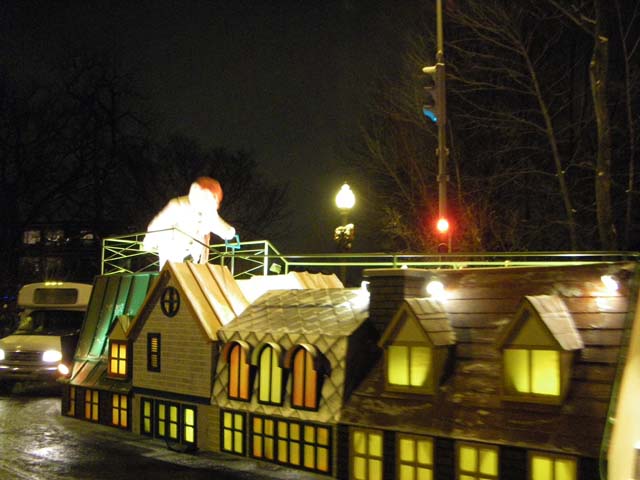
pixel 119 330
pixel 112 297
pixel 209 292
pixel 257 285
pixel 553 313
pixel 429 315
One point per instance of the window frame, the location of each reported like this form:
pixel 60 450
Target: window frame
pixel 119 359
pixel 154 354
pixel 237 435
pixel 71 407
pixel 183 426
pixel 119 410
pixel 553 457
pixel 428 386
pixel 367 456
pixel 167 422
pixel 239 373
pixel 274 363
pixel 151 417
pixel 91 405
pixel 476 474
pixel 511 394
pixel 415 463
pixel 310 448
pixel 309 390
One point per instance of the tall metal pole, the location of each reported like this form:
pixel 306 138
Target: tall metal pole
pixel 442 136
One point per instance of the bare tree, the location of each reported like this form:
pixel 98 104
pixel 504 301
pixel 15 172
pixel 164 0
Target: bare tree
pixel 627 23
pixel 591 17
pixel 529 142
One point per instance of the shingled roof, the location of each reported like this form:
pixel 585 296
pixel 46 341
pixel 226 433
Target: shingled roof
pixel 468 405
pixel 552 311
pixel 429 315
pixel 331 321
pixel 333 312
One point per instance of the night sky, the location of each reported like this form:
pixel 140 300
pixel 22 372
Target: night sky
pixel 285 80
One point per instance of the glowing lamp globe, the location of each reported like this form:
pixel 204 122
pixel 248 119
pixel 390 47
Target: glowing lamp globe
pixel 345 199
pixel 443 225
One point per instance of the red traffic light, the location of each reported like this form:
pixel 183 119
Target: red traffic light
pixel 442 226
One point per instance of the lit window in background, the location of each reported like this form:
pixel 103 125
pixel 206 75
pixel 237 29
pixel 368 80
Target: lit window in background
pixel 31 237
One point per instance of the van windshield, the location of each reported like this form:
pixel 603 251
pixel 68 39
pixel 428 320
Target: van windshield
pixel 50 322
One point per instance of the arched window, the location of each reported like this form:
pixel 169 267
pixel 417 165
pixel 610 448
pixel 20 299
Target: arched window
pixel 270 373
pixel 305 381
pixel 238 372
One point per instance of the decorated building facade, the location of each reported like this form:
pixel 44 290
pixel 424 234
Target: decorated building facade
pixel 504 373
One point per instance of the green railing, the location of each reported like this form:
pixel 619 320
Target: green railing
pixel 125 254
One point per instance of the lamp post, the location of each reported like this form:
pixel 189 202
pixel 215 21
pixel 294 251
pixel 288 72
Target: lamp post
pixel 345 232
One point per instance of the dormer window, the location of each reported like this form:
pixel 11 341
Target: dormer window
pixel 118 359
pixel 416 345
pixel 529 371
pixel 303 361
pixel 537 351
pixel 236 354
pixel 408 365
pixel 269 363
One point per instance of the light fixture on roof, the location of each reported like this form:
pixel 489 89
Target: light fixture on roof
pixel 435 289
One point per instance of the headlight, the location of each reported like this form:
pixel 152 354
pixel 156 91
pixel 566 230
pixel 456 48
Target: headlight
pixel 1 354
pixel 51 356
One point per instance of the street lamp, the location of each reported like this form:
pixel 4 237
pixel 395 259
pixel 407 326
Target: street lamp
pixel 345 200
pixel 344 234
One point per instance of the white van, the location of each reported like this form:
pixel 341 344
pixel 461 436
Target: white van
pixel 43 345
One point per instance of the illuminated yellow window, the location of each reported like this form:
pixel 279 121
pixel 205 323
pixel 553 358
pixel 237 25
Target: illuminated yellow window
pixel 270 389
pixel 147 417
pixel 71 411
pixel 408 366
pixel 119 410
pixel 238 373
pixel 168 421
pixel 188 425
pixel 531 372
pixel 415 457
pixel 233 432
pixel 91 405
pixel 118 359
pixel 297 444
pixel 161 421
pixel 173 422
pixel 305 381
pixel 263 438
pixel 366 455
pixel 544 466
pixel 477 462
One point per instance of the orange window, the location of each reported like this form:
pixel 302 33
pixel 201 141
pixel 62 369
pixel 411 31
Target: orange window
pixel 305 381
pixel 238 373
